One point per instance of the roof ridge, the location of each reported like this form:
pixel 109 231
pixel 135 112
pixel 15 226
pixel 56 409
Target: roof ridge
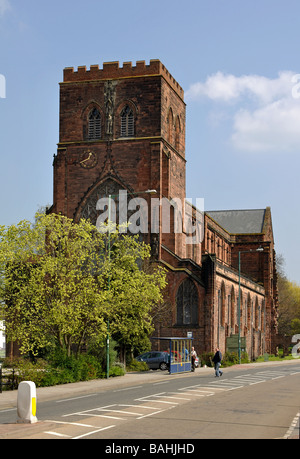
pixel 236 210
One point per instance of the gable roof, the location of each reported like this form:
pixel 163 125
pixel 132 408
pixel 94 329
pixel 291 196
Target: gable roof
pixel 240 221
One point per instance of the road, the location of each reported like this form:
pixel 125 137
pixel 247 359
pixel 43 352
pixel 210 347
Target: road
pixel 247 402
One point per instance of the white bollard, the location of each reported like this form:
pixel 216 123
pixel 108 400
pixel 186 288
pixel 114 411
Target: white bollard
pixel 27 402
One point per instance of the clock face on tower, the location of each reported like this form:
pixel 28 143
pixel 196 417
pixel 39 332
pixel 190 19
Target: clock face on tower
pixel 88 159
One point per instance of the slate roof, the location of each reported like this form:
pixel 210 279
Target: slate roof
pixel 239 221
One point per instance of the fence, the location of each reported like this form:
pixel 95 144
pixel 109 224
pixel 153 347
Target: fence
pixel 10 379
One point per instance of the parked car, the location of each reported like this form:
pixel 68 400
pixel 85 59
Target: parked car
pixel 155 359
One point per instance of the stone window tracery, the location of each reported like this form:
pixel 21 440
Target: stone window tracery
pixel 187 303
pixel 127 122
pixel 94 126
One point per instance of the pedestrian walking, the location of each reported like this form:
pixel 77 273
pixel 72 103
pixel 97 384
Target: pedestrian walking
pixel 217 359
pixel 193 358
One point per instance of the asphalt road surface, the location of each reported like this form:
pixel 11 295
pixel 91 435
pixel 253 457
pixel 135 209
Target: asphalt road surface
pixel 247 402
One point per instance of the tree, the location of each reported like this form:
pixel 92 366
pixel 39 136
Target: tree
pixel 59 286
pixel 288 301
pixel 135 295
pixel 295 326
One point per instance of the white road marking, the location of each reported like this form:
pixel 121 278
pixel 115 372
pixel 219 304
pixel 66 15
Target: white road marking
pixel 57 434
pixel 71 423
pixel 75 398
pixel 91 433
pixel 152 414
pixel 128 388
pixel 158 383
pixel 101 416
pixel 166 398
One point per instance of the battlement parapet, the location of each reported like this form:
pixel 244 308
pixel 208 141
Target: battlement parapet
pixel 112 70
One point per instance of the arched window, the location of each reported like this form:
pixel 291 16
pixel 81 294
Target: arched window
pixel 263 317
pixel 187 303
pixel 249 312
pixel 127 122
pixel 256 314
pixel 170 126
pixel 177 133
pixel 232 309
pixel 240 308
pixel 94 129
pixel 222 305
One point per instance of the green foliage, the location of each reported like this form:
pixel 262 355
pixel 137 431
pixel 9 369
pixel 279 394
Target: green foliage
pixel 295 326
pixel 79 368
pixel 25 370
pixel 273 358
pixel 206 359
pixel 229 359
pixel 135 293
pixel 288 302
pixel 49 283
pixel 232 358
pixel 135 365
pixel 98 350
pixel 61 282
pixel 61 369
pixel 116 370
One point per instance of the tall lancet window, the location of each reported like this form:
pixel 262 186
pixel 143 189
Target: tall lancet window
pixel 187 303
pixel 94 124
pixel 127 122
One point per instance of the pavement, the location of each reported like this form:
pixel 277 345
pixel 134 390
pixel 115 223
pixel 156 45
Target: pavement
pixel 9 399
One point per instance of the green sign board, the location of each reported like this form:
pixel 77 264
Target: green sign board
pixel 232 343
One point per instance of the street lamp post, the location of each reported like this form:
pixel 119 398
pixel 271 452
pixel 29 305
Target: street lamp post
pixel 109 217
pixel 259 249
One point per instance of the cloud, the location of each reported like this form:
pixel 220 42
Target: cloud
pixel 225 87
pixel 272 128
pixel 266 114
pixel 4 7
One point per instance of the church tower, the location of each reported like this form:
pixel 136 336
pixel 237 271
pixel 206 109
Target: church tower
pixel 122 131
pixel 121 128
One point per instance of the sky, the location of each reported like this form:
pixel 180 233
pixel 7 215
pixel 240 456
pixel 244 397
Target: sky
pixel 237 61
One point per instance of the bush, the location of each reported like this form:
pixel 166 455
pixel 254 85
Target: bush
pixel 229 359
pixel 98 350
pixel 206 359
pixel 66 368
pixel 25 370
pixel 61 369
pixel 117 370
pixel 135 365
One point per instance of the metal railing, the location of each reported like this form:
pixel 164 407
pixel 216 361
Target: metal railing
pixel 10 379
